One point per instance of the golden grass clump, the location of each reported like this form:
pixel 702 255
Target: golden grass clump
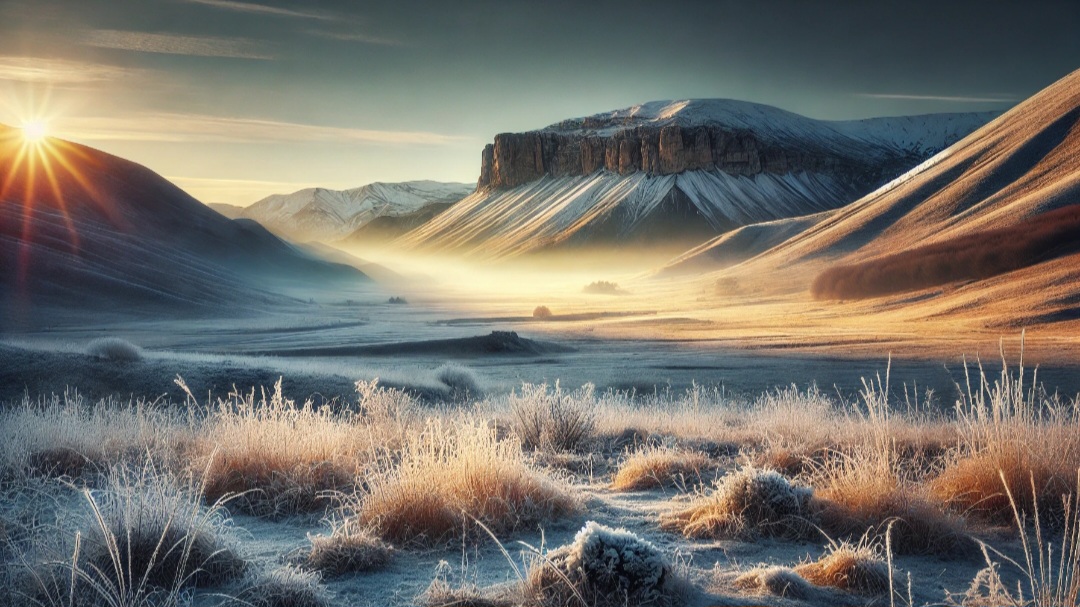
pixel 1013 430
pixel 659 466
pixel 449 475
pixel 861 493
pixel 851 567
pixel 347 550
pixel 745 503
pixel 279 458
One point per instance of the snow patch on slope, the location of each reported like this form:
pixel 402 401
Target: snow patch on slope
pixel 552 209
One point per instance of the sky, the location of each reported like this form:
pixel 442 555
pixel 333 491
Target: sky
pixel 236 99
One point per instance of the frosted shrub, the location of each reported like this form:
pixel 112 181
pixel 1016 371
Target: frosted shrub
pixel 746 502
pixel 114 349
pixel 603 566
pixel 461 381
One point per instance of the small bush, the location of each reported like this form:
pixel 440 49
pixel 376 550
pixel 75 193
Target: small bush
pixel 856 568
pixel 602 566
pixel 542 312
pixel 347 550
pixel 553 420
pixel 461 381
pixel 397 300
pixel 603 287
pixel 114 349
pixel 286 586
pixel 744 503
pixel 657 466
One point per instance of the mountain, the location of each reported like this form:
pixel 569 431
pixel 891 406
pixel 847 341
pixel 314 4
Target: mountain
pixel 330 215
pixel 231 211
pixel 990 226
pixel 83 230
pixel 676 173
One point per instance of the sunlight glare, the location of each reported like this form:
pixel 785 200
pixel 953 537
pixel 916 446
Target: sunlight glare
pixel 35 131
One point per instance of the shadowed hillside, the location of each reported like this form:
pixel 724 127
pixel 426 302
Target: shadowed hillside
pixel 77 224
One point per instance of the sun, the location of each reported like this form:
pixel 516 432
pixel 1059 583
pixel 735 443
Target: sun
pixel 35 131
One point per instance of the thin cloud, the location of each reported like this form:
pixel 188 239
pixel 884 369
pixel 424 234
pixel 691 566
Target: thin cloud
pixel 241 192
pixel 357 37
pixel 173 44
pixel 261 9
pixel 60 71
pixel 197 128
pixel 946 98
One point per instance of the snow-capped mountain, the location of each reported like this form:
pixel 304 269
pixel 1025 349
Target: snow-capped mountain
pixel 676 173
pixel 329 215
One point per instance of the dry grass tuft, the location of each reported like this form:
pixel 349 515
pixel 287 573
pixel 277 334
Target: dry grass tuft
pixel 144 538
pixel 659 466
pixel 602 567
pixel 449 475
pixel 280 459
pixel 551 419
pixel 856 568
pixel 777 581
pixel 286 586
pixel 1013 429
pixel 462 593
pixel 745 503
pixel 347 550
pixel 856 495
pixel 1050 570
pixel 65 435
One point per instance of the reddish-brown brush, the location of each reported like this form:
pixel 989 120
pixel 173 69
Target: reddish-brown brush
pixel 973 257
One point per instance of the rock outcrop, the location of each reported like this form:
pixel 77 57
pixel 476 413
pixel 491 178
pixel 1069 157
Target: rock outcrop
pixel 518 158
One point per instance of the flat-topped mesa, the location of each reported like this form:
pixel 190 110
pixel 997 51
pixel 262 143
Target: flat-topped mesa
pixel 735 137
pixel 517 158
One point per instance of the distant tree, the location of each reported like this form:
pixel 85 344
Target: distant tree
pixel 542 312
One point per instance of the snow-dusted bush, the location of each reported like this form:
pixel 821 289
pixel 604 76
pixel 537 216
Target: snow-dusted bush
pixel 603 566
pixel 461 381
pixel 114 349
pixel 745 502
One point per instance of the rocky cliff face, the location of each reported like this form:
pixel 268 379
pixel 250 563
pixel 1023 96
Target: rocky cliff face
pixel 518 158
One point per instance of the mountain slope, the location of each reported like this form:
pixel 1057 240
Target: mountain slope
pixel 81 228
pixel 992 210
pixel 698 167
pixel 329 215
